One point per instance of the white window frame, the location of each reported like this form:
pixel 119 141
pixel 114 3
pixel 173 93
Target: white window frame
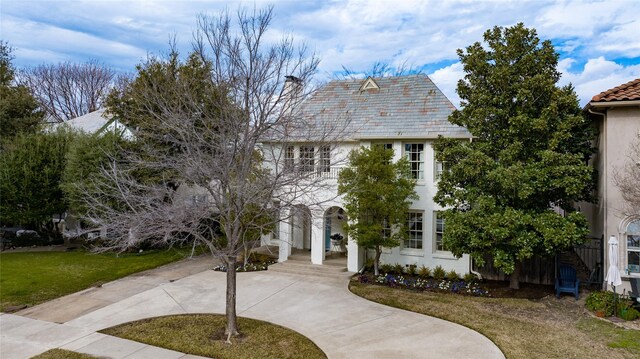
pixel 438 246
pixel 289 157
pixel 307 158
pixel 440 168
pixel 410 153
pixel 419 242
pixel 632 230
pixel 324 164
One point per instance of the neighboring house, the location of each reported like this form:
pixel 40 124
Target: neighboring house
pixel 96 122
pixel 617 114
pixel 406 113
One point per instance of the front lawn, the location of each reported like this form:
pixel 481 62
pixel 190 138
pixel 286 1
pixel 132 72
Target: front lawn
pixel 203 334
pixel 522 328
pixel 30 278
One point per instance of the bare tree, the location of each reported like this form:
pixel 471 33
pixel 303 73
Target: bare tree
pixel 225 148
pixel 379 69
pixel 67 90
pixel 627 179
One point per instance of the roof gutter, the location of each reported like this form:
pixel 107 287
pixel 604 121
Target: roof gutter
pixel 614 104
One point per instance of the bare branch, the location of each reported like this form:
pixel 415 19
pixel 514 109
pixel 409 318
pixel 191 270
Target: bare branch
pixel 68 90
pixel 627 179
pixel 216 125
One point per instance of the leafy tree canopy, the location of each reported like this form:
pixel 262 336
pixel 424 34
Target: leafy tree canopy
pixel 87 156
pixel 31 167
pixel 18 108
pixel 183 88
pixel 376 192
pixel 529 154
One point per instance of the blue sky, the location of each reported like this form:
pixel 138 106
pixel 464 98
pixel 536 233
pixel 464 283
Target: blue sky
pixel 598 41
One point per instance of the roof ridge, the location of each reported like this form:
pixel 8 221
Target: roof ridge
pixel 378 78
pixel 601 96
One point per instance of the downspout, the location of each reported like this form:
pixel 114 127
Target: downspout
pixel 476 273
pixel 363 264
pixel 604 176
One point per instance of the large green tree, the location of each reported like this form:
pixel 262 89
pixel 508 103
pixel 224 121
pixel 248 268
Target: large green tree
pixel 528 155
pixel 87 156
pixel 18 108
pixel 377 196
pixel 31 168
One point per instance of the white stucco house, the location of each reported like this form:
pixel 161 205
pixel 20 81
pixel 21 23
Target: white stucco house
pixel 617 114
pixel 406 113
pixel 96 122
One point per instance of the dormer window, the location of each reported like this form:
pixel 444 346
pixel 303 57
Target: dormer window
pixel 369 84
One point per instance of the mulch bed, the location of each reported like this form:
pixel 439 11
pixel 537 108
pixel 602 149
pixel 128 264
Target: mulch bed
pixel 500 289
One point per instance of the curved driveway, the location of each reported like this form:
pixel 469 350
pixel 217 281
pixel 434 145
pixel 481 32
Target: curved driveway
pixel 343 325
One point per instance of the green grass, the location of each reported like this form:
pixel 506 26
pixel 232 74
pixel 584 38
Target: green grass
pixel 62 354
pixel 615 337
pixel 203 334
pixel 522 328
pixel 30 278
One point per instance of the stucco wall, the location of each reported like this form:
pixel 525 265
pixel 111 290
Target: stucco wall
pixel 620 128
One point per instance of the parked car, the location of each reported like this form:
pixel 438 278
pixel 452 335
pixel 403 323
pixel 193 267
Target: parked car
pixel 18 237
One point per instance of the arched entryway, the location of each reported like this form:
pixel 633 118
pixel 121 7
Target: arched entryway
pixel 301 227
pixel 335 219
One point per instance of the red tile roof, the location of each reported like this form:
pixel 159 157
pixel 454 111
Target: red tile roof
pixel 627 92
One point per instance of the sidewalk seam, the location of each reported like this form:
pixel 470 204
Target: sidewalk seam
pixel 268 297
pixel 174 299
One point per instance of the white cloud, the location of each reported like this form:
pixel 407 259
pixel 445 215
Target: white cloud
pixel 353 33
pixel 597 75
pixel 447 79
pixel 38 43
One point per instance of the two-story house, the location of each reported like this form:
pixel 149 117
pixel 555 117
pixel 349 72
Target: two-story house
pixel 405 113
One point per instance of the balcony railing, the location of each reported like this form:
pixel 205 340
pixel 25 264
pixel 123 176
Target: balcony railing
pixel 327 172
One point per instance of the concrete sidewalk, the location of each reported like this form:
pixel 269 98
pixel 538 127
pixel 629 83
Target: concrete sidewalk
pixel 25 337
pixel 74 305
pixel 341 324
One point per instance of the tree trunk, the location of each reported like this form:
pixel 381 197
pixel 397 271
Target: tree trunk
pixel 514 280
pixel 376 262
pixel 232 321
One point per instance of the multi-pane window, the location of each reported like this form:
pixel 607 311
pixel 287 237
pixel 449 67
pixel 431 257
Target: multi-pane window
pixel 198 199
pixel 289 158
pixel 386 229
pixel 439 229
pixel 415 154
pixel 440 168
pixel 414 231
pixel 633 247
pixel 307 158
pixel 386 146
pixel 325 159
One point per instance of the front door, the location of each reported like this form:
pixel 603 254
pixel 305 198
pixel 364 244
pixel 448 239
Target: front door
pixel 327 233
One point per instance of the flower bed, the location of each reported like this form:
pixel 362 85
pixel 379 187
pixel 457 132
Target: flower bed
pixel 416 283
pixel 256 262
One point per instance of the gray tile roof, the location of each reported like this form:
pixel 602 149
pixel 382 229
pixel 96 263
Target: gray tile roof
pixel 404 107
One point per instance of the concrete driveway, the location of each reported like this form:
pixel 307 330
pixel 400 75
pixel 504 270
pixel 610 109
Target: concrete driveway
pixel 341 324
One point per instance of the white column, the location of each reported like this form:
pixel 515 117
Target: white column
pixel 284 249
pixel 355 256
pixel 317 238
